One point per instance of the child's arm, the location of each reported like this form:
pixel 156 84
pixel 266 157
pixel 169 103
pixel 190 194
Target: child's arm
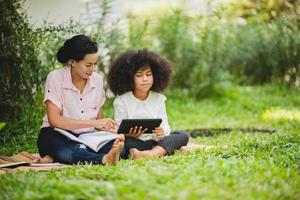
pixel 120 110
pixel 163 114
pixel 159 133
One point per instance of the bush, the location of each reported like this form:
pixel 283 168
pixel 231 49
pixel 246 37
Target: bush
pixel 109 37
pixel 27 55
pixel 19 63
pixel 268 52
pixel 212 52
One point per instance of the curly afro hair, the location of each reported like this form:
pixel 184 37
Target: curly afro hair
pixel 122 70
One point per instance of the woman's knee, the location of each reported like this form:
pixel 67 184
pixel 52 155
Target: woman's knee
pixel 45 142
pixel 80 154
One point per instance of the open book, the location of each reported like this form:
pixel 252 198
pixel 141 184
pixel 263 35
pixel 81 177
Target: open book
pixel 94 140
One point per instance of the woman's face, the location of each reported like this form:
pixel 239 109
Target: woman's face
pixel 85 67
pixel 143 79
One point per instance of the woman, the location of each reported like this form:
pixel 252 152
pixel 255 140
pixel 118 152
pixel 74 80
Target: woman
pixel 74 97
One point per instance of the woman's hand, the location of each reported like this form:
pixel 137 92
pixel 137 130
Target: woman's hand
pixel 106 124
pixel 136 131
pixel 159 133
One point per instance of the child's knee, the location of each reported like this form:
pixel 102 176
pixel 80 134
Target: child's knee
pixel 185 138
pixel 182 137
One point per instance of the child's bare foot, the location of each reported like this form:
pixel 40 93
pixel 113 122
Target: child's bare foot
pixel 45 159
pixel 121 137
pixel 194 146
pixel 155 152
pixel 113 156
pixel 135 154
pixel 184 149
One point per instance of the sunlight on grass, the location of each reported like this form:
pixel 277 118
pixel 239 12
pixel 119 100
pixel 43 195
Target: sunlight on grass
pixel 281 114
pixel 2 124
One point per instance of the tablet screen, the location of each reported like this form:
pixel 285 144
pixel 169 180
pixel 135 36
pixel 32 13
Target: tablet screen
pixel 150 124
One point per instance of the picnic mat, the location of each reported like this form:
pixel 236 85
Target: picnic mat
pixel 21 162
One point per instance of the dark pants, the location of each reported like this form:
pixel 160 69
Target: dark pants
pixel 171 142
pixel 64 150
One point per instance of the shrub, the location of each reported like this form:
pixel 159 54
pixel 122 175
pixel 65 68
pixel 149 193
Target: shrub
pixel 27 55
pixel 212 52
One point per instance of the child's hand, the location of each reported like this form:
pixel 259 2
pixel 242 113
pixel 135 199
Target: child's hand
pixel 136 132
pixel 159 133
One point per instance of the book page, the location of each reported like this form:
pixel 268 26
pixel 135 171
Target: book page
pixel 94 140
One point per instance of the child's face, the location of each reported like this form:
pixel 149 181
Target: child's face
pixel 143 79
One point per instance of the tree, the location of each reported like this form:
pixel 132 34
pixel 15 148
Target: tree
pixel 19 63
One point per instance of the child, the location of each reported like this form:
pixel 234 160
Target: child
pixel 136 78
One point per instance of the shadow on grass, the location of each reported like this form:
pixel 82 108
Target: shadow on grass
pixel 216 131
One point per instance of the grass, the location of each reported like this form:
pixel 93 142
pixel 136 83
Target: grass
pixel 240 107
pixel 251 166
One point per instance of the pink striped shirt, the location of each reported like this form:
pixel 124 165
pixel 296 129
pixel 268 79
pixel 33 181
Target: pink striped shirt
pixel 60 90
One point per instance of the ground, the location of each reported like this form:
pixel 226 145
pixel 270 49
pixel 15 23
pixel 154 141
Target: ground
pixel 245 165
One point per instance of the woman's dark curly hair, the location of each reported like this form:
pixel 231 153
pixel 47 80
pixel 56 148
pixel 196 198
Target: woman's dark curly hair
pixel 122 70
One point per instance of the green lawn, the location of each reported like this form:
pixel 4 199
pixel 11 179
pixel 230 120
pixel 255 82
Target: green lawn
pixel 250 166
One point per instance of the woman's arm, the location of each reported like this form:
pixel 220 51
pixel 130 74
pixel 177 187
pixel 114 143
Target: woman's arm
pixel 100 114
pixel 56 120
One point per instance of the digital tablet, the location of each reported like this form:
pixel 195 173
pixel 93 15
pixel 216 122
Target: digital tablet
pixel 150 124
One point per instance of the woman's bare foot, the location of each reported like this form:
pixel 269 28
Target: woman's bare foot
pixel 45 159
pixel 113 156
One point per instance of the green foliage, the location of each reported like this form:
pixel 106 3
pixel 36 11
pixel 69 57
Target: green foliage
pixel 265 10
pixel 176 43
pixel 272 53
pixel 27 56
pixel 210 53
pixel 109 37
pixel 2 125
pixel 137 30
pixel 18 59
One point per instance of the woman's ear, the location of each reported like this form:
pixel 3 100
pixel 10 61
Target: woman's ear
pixel 71 62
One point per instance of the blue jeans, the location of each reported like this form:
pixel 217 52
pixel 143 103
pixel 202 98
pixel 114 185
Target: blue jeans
pixel 64 150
